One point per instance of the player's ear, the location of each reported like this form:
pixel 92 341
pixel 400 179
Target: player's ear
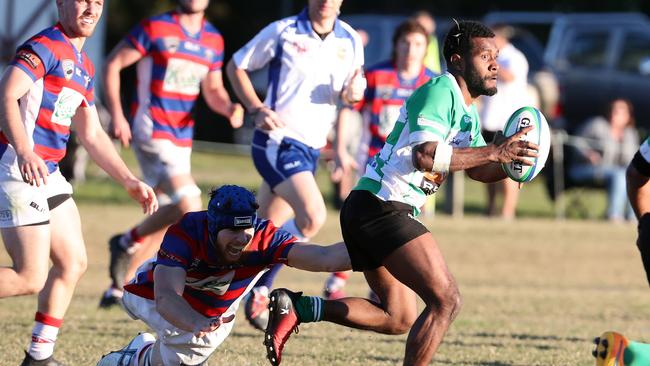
pixel 457 62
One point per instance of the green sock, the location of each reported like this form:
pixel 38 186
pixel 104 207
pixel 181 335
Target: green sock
pixel 637 354
pixel 309 309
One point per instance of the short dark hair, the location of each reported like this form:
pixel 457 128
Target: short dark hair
pixel 458 39
pixel 609 110
pixel 407 27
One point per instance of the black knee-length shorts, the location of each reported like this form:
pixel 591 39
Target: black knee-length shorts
pixel 372 229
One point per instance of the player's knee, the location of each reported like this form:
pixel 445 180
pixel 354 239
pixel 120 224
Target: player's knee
pixel 73 268
pixel 33 283
pixel 445 302
pixel 312 222
pixel 186 199
pixel 450 302
pixel 402 324
pixel 188 204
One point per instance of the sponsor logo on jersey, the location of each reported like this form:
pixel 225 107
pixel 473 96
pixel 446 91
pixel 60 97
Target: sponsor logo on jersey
pixel 216 284
pixel 68 68
pixel 183 76
pixel 191 46
pixel 65 106
pixel 162 253
pixel 461 139
pixel 300 48
pixel 32 60
pixel 341 52
pixel 385 92
pixel 171 44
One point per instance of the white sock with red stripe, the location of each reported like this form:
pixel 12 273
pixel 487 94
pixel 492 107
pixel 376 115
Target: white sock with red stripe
pixel 131 240
pixel 44 336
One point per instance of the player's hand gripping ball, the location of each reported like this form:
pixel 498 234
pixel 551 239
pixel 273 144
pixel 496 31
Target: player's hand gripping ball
pixel 540 135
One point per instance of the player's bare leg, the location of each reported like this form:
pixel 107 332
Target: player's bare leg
pixel 272 206
pixel 301 192
pixel 69 260
pixel 28 247
pixel 171 213
pixel 394 315
pixel 418 264
pixel 510 198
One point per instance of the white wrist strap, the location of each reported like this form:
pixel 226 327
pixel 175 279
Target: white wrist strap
pixel 442 158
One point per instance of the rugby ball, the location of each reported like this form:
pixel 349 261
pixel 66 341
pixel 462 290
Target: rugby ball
pixel 540 135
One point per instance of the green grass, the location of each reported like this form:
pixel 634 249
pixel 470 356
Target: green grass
pixel 535 290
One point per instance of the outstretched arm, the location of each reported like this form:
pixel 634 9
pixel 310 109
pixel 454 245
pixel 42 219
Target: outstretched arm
pixel 318 258
pixel 218 100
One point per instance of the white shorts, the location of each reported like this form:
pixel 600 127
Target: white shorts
pixel 22 204
pixel 176 345
pixel 160 159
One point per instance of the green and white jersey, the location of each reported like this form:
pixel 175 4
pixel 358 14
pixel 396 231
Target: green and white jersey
pixel 436 111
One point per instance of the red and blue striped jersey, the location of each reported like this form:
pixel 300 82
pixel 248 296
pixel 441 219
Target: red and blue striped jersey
pixel 63 81
pixel 384 96
pixel 212 288
pixel 169 76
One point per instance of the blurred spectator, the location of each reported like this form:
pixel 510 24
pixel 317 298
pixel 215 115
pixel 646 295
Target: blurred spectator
pixel 609 144
pixel 432 58
pixel 512 94
pixel 390 83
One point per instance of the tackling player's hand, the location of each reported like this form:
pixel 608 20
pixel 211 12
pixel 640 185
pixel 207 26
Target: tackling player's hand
pixel 267 119
pixel 32 168
pixel 513 148
pixel 212 324
pixel 143 194
pixel 120 129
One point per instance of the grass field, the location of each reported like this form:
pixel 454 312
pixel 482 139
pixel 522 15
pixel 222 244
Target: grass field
pixel 536 290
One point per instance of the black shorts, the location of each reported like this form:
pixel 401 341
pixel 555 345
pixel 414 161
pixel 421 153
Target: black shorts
pixel 372 229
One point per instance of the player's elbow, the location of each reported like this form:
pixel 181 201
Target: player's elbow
pixel 420 159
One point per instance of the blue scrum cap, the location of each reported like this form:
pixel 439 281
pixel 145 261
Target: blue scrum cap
pixel 231 207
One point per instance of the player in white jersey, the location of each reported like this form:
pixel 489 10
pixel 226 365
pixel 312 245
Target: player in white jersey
pixel 437 132
pixel 314 63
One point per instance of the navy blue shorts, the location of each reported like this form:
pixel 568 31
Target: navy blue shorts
pixel 278 160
